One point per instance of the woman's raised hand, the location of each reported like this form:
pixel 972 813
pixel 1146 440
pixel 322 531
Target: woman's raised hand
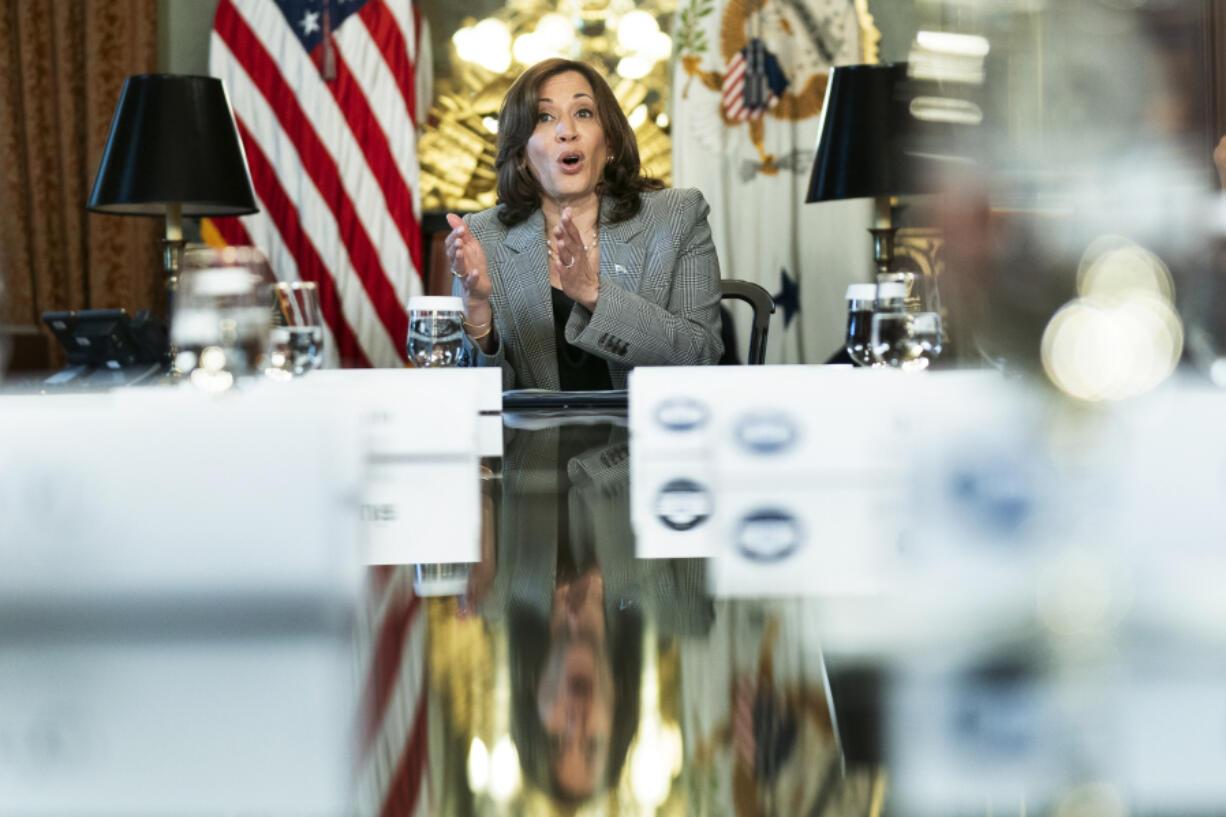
pixel 467 259
pixel 579 276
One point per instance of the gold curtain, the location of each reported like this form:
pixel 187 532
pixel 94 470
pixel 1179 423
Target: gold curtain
pixel 62 64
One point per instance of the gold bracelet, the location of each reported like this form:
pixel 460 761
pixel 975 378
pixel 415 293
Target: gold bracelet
pixel 489 327
pixel 468 325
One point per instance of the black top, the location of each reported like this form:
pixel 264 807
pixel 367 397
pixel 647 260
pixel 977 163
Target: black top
pixel 577 370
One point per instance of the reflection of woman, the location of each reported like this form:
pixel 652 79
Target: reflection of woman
pixel 575 599
pixel 575 630
pixel 575 681
pixel 586 268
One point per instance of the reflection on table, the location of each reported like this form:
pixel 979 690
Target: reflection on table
pixel 575 676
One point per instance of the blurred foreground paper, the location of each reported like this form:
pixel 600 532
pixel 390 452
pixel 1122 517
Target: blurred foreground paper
pixel 176 604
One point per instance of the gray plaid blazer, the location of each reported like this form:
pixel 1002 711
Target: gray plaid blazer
pixel 658 303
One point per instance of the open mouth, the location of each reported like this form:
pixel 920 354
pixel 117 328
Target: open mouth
pixel 571 162
pixel 580 686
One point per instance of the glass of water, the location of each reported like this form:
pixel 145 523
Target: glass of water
pixel 924 304
pixel 220 325
pixel 436 331
pixel 906 330
pixel 859 339
pixel 891 332
pixel 926 338
pixel 296 342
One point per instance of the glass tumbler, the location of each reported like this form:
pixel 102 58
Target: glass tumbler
pixel 436 331
pixel 220 325
pixel 296 342
pixel 906 321
pixel 891 332
pixel 923 303
pixel 859 339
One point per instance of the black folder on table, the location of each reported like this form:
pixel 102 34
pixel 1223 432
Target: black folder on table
pixel 543 399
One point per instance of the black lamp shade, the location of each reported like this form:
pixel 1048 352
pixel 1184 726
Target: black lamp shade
pixel 860 149
pixel 173 141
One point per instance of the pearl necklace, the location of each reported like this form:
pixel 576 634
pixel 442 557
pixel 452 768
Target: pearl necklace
pixel 586 247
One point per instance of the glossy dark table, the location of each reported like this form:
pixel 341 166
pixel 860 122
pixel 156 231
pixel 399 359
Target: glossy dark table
pixel 572 676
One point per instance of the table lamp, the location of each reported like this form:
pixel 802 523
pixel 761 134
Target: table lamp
pixel 173 151
pixel 860 149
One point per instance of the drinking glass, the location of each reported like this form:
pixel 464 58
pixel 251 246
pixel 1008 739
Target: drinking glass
pixel 436 331
pixel 926 335
pixel 438 579
pixel 906 330
pixel 891 333
pixel 220 325
pixel 924 303
pixel 296 342
pixel 859 341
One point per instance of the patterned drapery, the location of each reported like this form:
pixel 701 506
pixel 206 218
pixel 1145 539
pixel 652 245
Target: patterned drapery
pixel 62 65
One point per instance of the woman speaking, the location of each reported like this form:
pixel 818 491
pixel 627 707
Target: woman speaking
pixel 585 268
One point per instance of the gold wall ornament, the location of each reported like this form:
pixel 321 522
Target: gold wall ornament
pixel 458 144
pixel 870 36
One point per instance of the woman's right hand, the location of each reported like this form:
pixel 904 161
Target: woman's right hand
pixel 467 259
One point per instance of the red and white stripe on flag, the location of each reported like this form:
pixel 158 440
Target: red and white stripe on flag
pixel 333 159
pixel 732 95
pixel 732 92
pixel 392 737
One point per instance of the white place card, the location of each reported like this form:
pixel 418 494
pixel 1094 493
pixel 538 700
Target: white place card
pixel 172 491
pixel 701 434
pixel 1169 744
pixel 967 742
pixel 793 479
pixel 673 509
pixel 834 539
pixel 178 578
pixel 487 383
pixel 422 427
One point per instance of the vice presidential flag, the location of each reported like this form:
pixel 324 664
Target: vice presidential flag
pixel 748 87
pixel 325 93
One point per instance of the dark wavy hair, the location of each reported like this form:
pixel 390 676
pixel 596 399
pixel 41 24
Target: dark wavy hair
pixel 529 643
pixel 519 192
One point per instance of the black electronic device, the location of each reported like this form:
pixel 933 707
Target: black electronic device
pixel 108 347
pixel 109 338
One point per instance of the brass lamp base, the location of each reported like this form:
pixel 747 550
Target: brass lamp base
pixel 883 247
pixel 172 259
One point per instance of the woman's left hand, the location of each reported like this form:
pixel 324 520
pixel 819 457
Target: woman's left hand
pixel 578 274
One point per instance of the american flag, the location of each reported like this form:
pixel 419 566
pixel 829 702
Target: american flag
pixel 391 769
pixel 325 96
pixel 753 82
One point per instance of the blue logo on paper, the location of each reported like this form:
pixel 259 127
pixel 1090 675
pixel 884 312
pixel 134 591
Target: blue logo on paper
pixel 682 414
pixel 767 433
pixel 995 494
pixel 768 536
pixel 683 505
